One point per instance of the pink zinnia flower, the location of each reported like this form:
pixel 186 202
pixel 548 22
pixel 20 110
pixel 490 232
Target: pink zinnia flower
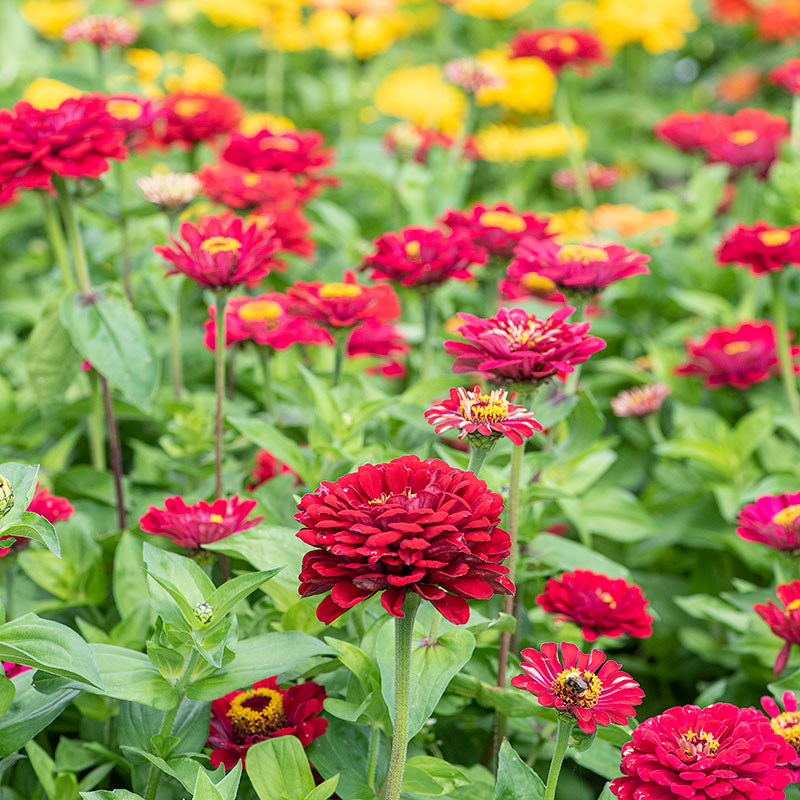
pixel 640 401
pixel 787 75
pixel 783 622
pixel 762 247
pixel 384 341
pixel 471 75
pixel 786 723
pixel 773 520
pixel 592 689
pixel 101 30
pixel 598 176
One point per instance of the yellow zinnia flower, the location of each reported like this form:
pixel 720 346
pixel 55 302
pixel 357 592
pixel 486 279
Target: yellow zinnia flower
pixel 50 17
pixel 48 93
pixel 491 9
pixel 513 143
pixel 255 121
pixel 330 30
pixel 657 26
pixel 197 75
pixel 239 14
pixel 375 33
pixel 528 83
pixel 570 225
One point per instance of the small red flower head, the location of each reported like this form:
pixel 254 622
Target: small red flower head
pixel 192 117
pixel 101 30
pixel 268 467
pixel 599 176
pixel 220 252
pixel 773 520
pixel 381 340
pixel 50 506
pixel 720 752
pixel 585 269
pixel 783 622
pixel 135 116
pixel 762 247
pixel 737 357
pixel 560 48
pixel 201 523
pixel 600 605
pixel 778 21
pixel 75 140
pixel 498 229
pixel 734 12
pixel 243 718
pixel 482 418
pixel 236 187
pixel 786 723
pixel 517 347
pixel 685 130
pixel 290 226
pixel 587 686
pixel 406 526
pixel 343 305
pixel 787 75
pixel 423 257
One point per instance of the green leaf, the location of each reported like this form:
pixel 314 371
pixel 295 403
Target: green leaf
pixel 35 527
pixel 232 592
pixel 7 692
pixel 431 776
pixel 22 478
pixel 278 768
pixel 324 790
pixel 108 333
pixel 43 767
pixel 515 779
pixel 281 446
pixel 564 554
pixel 114 794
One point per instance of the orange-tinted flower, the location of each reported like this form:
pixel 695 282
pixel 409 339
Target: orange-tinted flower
pixel 685 130
pixel 740 85
pixel 626 220
pixel 779 21
pixel 734 12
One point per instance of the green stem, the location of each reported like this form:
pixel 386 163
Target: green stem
pixel 654 429
pixel 403 635
pixel 265 357
pixel 783 343
pixel 101 68
pixel 477 455
pixel 795 137
pixel 175 360
pixel 373 756
pixel 114 449
pixel 339 347
pixel 275 65
pixel 73 235
pixel 191 158
pixel 576 162
pixel 96 429
pixel 427 301
pixel 562 742
pixel 221 304
pixel 55 234
pixel 124 232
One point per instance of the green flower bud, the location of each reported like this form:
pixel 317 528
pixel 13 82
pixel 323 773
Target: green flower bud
pixel 6 496
pixel 203 612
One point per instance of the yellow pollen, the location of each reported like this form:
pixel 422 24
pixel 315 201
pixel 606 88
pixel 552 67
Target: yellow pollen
pixel 412 249
pixel 340 290
pixel 734 348
pixel 788 726
pixel 484 408
pixel 582 253
pixel 774 238
pixel 536 283
pixel 189 108
pixel 251 179
pixel 257 712
pixel 124 109
pixel 578 688
pixel 742 137
pixel 260 311
pixel 278 143
pixel 793 606
pixel 511 223
pixel 607 599
pixel 216 518
pixel 221 244
pixel 559 41
pixel 705 742
pixel 786 516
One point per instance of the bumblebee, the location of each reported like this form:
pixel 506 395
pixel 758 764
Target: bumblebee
pixel 576 685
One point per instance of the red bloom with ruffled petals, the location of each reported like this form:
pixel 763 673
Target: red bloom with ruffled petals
pixel 290 226
pixel 50 506
pixel 192 117
pixel 245 717
pixel 559 48
pixel 381 340
pixel 738 357
pixel 786 723
pixel 237 187
pixel 422 257
pixel 498 229
pixel 406 526
pixel 787 75
pixel 221 251
pixel 518 347
pixel 268 467
pixel 721 752
pixel 600 605
pixel 773 520
pixel 783 622
pixel 685 130
pixel 201 523
pixel 592 689
pixel 763 247
pixel 135 116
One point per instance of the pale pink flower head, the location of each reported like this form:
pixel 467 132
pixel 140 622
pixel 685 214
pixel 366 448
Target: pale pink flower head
pixel 102 30
pixel 640 401
pixel 470 75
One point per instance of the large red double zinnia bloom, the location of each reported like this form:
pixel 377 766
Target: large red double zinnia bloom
pixel 406 526
pixel 762 247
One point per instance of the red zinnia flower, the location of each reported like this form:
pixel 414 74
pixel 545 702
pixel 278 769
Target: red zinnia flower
pixel 737 357
pixel 530 284
pixel 236 187
pixel 477 416
pixel 74 140
pixel 245 717
pixel 559 48
pixel 101 30
pixel 517 347
pixel 268 467
pixel 423 257
pixel 201 523
pixel 598 176
pixel 787 75
pixel 595 691
pixel 192 117
pixel 783 622
pixel 135 116
pixel 703 754
pixel 640 401
pixel 290 226
pixel 685 130
pixel 410 142
pixel 382 340
pixel 221 252
pixel 779 21
pixel 12 670
pixel 786 723
pixel 406 526
pixel 582 268
pixel 498 229
pixel 763 247
pixel 343 305
pixel 52 507
pixel 734 12
pixel 599 605
pixel 773 520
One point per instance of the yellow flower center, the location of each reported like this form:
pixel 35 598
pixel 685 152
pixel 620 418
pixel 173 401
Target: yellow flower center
pixel 559 41
pixel 578 688
pixel 511 223
pixel 742 137
pixel 484 408
pixel 519 335
pixel 412 249
pixel 535 283
pixel 278 143
pixel 606 598
pixel 734 348
pixel 793 606
pixel 190 107
pixel 699 744
pixel 257 712
pixel 582 253
pixel 786 516
pixel 340 290
pixel 260 311
pixel 216 518
pixel 221 244
pixel 788 726
pixel 124 109
pixel 774 238
pixel 250 179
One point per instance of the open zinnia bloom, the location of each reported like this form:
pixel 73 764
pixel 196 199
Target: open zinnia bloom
pixel 559 48
pixel 135 116
pixel 685 130
pixel 787 75
pixel 591 688
pixel 600 605
pixel 237 187
pixel 783 622
pixel 482 416
pixel 721 751
pixel 201 523
pixel 245 717
pixel 640 401
pixel 405 526
pixel 268 467
pixel 762 247
pixel 773 520
pixel 192 117
pixel 787 724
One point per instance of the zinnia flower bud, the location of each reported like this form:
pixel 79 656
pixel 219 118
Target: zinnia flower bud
pixel 204 612
pixel 6 496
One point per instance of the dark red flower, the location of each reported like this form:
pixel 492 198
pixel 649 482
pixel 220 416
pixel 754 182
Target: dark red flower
pixel 705 754
pixel 237 187
pixel 773 520
pixel 498 229
pixel 559 48
pixel 406 526
pixel 381 340
pixel 584 269
pixel 245 717
pixel 192 117
pixel 763 247
pixel 135 116
pixel 600 605
pixel 421 257
pixel 737 357
pixel 75 140
pixel 592 689
pixel 268 467
pixel 201 523
pixel 786 723
pixel 409 142
pixel 783 622
pixel 51 507
pixel 685 130
pixel 220 252
pixel 517 347
pixel 787 75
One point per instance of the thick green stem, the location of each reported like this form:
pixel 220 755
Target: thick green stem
pixel 175 359
pixel 372 766
pixel 427 300
pixel 576 162
pixel 562 742
pixel 191 158
pixel 265 357
pixel 783 342
pixel 477 455
pixel 95 427
pixel 221 303
pixel 275 66
pixel 55 234
pixel 795 137
pixel 403 636
pixel 339 347
pixel 73 235
pixel 101 68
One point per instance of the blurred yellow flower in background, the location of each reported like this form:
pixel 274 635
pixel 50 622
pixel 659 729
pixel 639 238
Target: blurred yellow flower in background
pixel 514 143
pixel 256 121
pixel 180 12
pixel 177 72
pixel 490 9
pixel 330 30
pixel 49 93
pixel 50 17
pixel 236 13
pixel 570 225
pixel 528 83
